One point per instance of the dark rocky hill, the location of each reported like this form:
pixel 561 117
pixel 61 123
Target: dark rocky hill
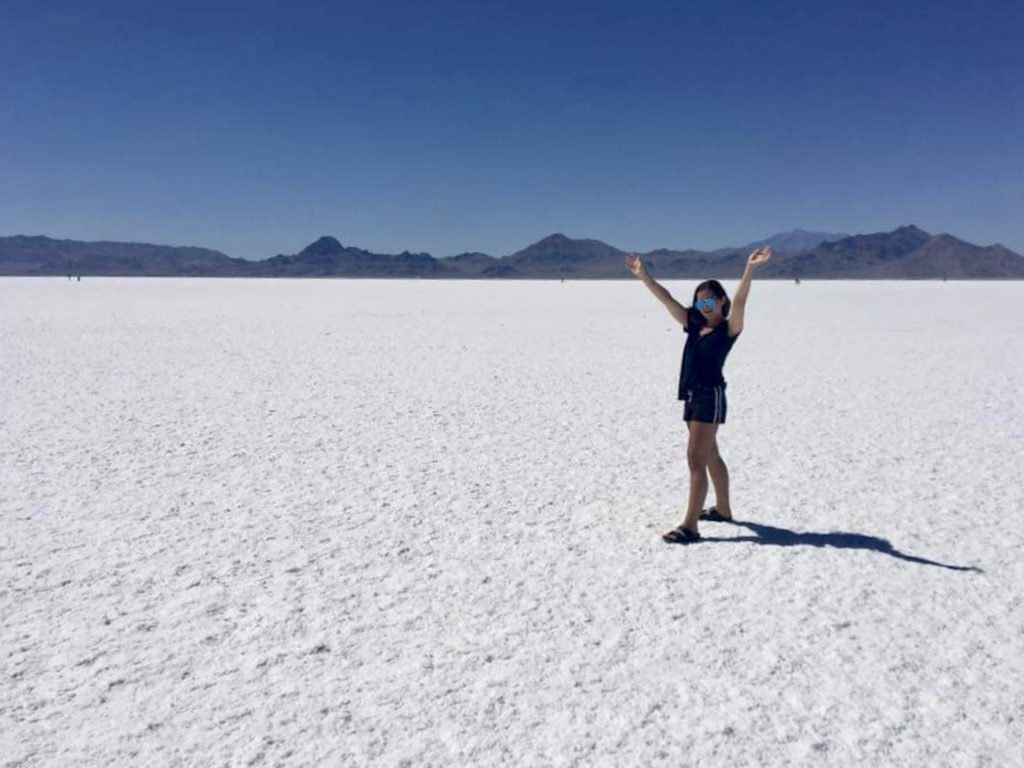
pixel 905 253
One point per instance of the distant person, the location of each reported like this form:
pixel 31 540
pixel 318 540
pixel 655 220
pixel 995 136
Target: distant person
pixel 796 280
pixel 78 279
pixel 712 325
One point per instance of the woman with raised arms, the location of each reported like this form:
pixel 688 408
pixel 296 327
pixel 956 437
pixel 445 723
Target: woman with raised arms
pixel 712 326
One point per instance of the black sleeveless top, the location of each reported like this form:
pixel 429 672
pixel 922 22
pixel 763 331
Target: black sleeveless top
pixel 703 358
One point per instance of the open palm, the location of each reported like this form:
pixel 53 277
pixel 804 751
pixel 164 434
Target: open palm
pixel 759 256
pixel 635 264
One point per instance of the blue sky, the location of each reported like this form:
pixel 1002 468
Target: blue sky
pixel 256 127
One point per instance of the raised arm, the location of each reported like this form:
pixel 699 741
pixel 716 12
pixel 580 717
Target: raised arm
pixel 677 310
pixel 739 300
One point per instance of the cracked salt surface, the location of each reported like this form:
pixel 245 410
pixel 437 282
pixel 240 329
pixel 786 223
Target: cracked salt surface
pixel 261 522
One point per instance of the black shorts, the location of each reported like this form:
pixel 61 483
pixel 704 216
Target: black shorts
pixel 707 405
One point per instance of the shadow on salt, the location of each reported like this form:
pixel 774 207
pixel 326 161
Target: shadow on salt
pixel 783 537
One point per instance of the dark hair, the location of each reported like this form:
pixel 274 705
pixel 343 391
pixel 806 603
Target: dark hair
pixel 697 318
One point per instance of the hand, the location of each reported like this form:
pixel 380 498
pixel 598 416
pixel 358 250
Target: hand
pixel 635 265
pixel 759 256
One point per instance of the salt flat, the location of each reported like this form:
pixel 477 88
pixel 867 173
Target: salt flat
pixel 340 522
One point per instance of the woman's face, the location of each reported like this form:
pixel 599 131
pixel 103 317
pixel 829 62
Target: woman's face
pixel 709 305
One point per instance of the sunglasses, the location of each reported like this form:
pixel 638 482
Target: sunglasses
pixel 700 304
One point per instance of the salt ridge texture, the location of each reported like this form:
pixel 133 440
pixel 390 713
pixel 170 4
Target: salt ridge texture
pixel 401 523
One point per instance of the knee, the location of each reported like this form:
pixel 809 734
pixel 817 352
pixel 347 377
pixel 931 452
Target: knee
pixel 697 459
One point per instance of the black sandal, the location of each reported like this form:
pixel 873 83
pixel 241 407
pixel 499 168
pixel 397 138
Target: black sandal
pixel 680 535
pixel 712 515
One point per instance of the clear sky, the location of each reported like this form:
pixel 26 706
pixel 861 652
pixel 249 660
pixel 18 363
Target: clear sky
pixel 442 126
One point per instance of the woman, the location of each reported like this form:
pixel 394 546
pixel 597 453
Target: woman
pixel 712 325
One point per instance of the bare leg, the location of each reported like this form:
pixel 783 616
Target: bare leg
pixel 720 480
pixel 698 453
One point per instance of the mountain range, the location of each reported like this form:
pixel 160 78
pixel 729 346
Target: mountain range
pixel 904 253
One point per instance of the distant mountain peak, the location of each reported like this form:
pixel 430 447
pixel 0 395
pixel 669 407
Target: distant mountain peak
pixel 323 246
pixel 558 246
pixel 910 229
